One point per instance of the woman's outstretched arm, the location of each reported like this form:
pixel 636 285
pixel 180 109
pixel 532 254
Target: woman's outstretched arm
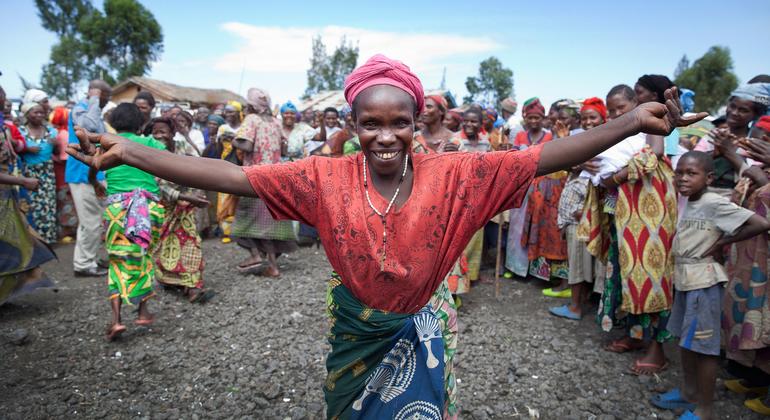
pixel 651 118
pixel 205 174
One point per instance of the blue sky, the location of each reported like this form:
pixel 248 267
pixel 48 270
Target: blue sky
pixel 575 49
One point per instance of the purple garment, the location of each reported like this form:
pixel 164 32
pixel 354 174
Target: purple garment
pixel 138 228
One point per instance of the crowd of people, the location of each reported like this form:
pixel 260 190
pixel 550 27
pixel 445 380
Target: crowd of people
pixel 666 227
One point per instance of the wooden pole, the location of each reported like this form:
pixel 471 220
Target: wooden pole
pixel 499 256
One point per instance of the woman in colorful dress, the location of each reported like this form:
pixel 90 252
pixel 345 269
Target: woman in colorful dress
pixel 635 238
pixel 17 275
pixel 392 230
pixel 132 220
pixel 65 207
pixel 255 229
pixel 435 137
pixel 295 133
pixel 37 162
pixel 179 257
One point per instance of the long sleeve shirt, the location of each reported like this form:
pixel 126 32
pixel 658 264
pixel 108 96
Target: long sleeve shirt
pixel 88 115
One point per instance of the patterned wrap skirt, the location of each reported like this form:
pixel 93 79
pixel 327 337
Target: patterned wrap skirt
pixel 21 253
pixel 131 268
pixel 254 227
pixel 390 365
pixel 41 204
pixel 179 257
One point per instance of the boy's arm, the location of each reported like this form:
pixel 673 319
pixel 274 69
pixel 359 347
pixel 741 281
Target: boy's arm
pixel 752 227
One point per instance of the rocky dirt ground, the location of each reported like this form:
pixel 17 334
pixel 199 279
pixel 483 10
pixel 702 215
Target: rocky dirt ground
pixel 257 350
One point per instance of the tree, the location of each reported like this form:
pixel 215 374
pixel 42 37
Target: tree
pixel 328 72
pixel 121 42
pixel 67 65
pixel 684 64
pixel 712 79
pixel 493 84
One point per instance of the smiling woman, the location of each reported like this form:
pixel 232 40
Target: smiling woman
pixel 392 243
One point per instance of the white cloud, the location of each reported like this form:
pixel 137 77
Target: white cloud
pixel 288 49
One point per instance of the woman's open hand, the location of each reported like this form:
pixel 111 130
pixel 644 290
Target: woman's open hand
pixel 108 155
pixel 662 119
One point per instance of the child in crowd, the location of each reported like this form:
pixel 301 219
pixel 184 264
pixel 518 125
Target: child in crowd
pixel 132 224
pixel 581 263
pixel 707 224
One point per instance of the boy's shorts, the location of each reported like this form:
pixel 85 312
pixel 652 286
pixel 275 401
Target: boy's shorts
pixel 695 319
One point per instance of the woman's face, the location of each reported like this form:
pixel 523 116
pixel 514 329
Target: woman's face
pixel 331 119
pixel 181 122
pixel 385 117
pixel 36 115
pixel 162 132
pixel 534 122
pixel 307 116
pixel 553 115
pixel 618 105
pixel 568 119
pixel 231 116
pixel 450 123
pixel 471 124
pixel 289 118
pixel 213 127
pixel 144 108
pixel 590 118
pixel 644 95
pixel 432 113
pixel 740 112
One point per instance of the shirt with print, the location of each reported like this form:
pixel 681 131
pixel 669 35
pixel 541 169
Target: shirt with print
pixel 701 224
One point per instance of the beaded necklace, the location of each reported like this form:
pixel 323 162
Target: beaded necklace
pixel 387 209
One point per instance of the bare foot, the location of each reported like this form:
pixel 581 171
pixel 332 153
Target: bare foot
pixel 145 319
pixel 114 330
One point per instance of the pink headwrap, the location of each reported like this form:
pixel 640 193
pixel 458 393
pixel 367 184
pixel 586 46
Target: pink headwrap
pixel 381 70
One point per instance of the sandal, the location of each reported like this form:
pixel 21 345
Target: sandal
pixel 563 311
pixel 203 296
pixel 643 368
pixel 270 272
pixel 564 294
pixel 114 331
pixel 622 346
pixel 757 405
pixel 688 415
pixel 737 386
pixel 671 400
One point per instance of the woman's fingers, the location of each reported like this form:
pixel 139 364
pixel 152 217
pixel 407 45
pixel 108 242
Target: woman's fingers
pixel 75 151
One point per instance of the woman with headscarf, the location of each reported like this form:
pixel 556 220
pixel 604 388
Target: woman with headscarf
pixel 295 133
pixel 435 137
pixel 254 228
pixel 65 207
pixel 453 120
pixel 37 162
pixel 540 235
pixel 23 274
pixel 392 231
pixel 632 229
pixel 747 104
pixel 39 97
pixel 178 257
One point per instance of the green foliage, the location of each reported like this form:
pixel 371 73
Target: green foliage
pixel 493 84
pixel 121 42
pixel 712 79
pixel 328 72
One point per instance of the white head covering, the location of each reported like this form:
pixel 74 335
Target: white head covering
pixel 35 95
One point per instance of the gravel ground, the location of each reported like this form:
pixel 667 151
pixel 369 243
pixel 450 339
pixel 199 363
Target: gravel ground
pixel 257 350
